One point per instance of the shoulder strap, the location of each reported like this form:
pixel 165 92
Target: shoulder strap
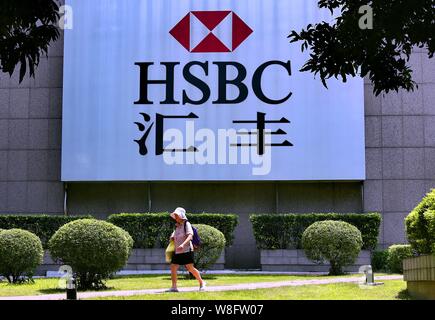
pixel 190 245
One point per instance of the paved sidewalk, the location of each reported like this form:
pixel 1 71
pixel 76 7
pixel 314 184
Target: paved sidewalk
pixel 54 274
pixel 234 287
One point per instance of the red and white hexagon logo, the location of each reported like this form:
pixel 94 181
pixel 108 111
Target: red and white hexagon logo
pixel 211 31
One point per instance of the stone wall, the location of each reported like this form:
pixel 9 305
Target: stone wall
pixel 297 261
pixel 400 149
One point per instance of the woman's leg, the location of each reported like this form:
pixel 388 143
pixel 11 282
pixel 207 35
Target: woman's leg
pixel 174 269
pixel 195 273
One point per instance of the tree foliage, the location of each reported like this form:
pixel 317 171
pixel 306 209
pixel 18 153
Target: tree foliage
pixel 26 30
pixel 343 49
pixel 420 225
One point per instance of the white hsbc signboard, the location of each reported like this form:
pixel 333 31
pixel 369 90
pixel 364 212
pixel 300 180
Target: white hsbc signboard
pixel 177 90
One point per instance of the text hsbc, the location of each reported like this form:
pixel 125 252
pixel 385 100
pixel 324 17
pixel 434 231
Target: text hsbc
pixel 240 82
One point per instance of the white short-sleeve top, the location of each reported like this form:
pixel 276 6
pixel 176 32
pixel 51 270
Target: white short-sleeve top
pixel 180 236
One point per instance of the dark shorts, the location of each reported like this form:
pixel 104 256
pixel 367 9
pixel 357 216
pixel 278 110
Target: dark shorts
pixel 182 258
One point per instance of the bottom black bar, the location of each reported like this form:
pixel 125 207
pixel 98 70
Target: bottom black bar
pixel 225 309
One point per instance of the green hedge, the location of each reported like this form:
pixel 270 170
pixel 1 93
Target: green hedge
pixel 396 254
pixel 151 230
pixel 380 260
pixel 44 226
pixel 284 231
pixel 391 260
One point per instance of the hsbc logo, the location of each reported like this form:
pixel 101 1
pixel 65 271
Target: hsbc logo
pixel 199 82
pixel 211 31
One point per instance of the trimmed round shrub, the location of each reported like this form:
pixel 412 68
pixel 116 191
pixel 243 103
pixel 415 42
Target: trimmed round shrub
pixel 420 225
pixel 212 245
pixel 94 249
pixel 380 260
pixel 20 253
pixel 396 254
pixel 337 242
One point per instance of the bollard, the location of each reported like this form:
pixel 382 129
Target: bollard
pixel 71 289
pixel 370 277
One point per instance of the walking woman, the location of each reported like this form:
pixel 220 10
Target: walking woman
pixel 183 255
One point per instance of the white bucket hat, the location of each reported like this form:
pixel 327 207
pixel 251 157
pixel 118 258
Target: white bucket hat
pixel 181 212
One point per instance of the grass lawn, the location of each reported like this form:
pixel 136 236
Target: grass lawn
pixel 391 290
pixel 48 286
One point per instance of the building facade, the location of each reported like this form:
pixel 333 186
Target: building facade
pixel 400 165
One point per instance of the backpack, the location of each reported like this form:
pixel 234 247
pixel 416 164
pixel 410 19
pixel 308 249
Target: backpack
pixel 196 240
